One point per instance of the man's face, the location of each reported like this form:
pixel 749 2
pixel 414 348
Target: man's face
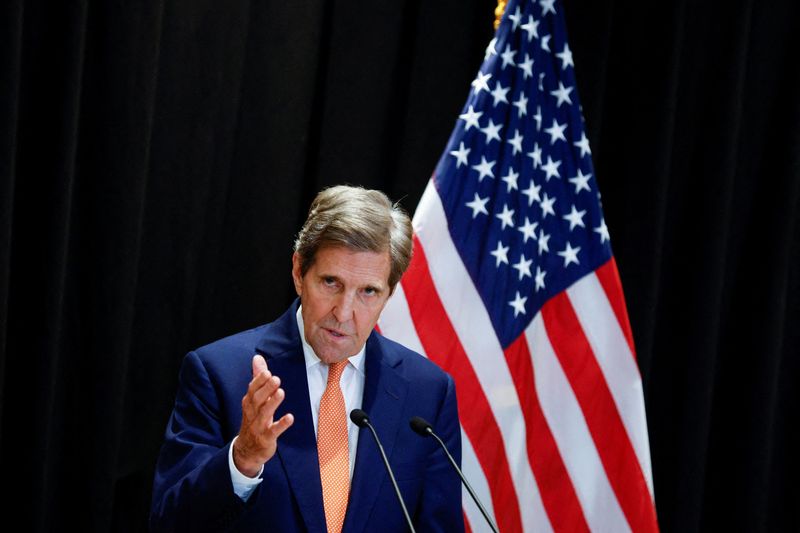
pixel 343 294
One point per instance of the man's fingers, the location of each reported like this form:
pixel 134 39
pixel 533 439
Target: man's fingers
pixel 258 381
pixel 259 364
pixel 266 411
pixel 263 393
pixel 277 428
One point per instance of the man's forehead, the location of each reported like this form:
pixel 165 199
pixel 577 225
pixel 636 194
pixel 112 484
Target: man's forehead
pixel 345 263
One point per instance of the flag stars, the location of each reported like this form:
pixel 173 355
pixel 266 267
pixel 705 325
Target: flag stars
pixel 523 267
pixel 527 67
pixel 551 169
pixel 531 28
pixel 511 180
pixel 532 192
pixel 471 118
pixel 500 254
pixel 506 217
pixel 538 118
pixel 484 168
pixel 515 18
pixel 521 105
pixel 528 230
pixel 518 303
pixel 490 49
pixel 602 230
pixel 516 142
pixel 544 242
pixel 581 182
pixel 570 254
pixel 541 81
pixel 583 144
pixel 539 278
pixel 545 42
pixel 508 56
pixel 461 155
pixel 499 94
pixel 556 132
pixel 562 94
pixel 547 206
pixel 492 131
pixel 566 57
pixel 481 83
pixel 478 205
pixel 536 156
pixel 547 6
pixel 575 218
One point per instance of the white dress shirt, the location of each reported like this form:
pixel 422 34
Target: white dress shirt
pixel 352 385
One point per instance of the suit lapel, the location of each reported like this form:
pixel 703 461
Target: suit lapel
pixel 385 393
pixel 297 447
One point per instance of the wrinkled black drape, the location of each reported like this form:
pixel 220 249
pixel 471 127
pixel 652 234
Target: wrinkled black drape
pixel 156 159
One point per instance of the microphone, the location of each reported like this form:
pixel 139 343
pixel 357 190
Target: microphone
pixel 361 419
pixel 423 428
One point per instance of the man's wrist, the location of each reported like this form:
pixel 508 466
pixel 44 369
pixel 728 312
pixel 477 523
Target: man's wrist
pixel 240 462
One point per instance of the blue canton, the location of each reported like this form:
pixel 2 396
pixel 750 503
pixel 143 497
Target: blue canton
pixel 516 179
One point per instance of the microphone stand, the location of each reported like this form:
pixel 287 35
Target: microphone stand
pixel 424 429
pixel 361 419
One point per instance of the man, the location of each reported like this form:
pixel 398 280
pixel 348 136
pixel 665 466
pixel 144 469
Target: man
pixel 260 439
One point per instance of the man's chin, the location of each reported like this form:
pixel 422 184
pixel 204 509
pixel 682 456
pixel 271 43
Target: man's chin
pixel 332 358
pixel 330 354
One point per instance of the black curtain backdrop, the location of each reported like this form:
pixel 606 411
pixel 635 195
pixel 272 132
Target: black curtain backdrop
pixel 157 158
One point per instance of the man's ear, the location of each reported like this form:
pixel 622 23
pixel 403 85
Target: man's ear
pixel 297 276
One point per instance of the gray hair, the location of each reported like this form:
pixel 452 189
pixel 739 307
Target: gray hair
pixel 359 219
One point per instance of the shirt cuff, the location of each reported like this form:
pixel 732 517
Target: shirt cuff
pixel 243 486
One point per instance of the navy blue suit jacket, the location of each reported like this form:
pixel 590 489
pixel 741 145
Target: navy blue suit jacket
pixel 192 488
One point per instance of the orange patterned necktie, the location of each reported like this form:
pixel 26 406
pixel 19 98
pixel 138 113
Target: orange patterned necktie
pixel 334 456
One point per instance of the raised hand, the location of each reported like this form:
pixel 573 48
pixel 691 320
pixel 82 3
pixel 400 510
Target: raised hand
pixel 258 435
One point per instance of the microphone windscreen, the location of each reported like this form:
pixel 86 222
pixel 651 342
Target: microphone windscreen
pixel 420 426
pixel 359 418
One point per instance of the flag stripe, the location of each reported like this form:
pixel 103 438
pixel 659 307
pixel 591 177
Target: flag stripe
pixel 566 421
pixel 396 324
pixel 560 501
pixel 396 321
pixel 608 432
pixel 618 365
pixel 443 347
pixel 477 480
pixel 474 331
pixel 612 285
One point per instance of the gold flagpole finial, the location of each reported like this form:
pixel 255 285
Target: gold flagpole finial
pixel 498 12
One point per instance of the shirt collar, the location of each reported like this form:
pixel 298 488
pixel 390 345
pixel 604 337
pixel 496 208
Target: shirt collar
pixel 311 358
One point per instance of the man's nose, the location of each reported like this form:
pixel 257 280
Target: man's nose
pixel 343 307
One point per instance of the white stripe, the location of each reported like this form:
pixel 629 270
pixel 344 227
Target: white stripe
pixel 397 325
pixel 473 326
pixel 572 436
pixel 616 361
pixel 471 469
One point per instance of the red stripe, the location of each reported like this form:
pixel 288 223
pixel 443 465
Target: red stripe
pixel 612 286
pixel 608 432
pixel 558 495
pixel 442 345
pixel 467 529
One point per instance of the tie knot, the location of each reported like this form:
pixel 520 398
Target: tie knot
pixel 335 371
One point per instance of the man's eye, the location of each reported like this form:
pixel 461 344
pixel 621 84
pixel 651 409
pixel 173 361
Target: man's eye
pixel 329 281
pixel 369 291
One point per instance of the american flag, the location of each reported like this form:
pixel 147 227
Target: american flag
pixel 514 291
